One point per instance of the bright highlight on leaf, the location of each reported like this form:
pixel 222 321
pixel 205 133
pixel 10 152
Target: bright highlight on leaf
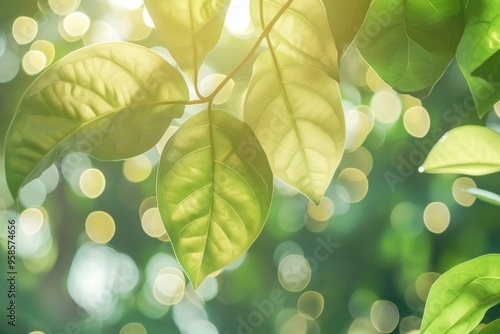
pixel 214 192
pixel 302 32
pixel 411 43
pixel 189 28
pixel 296 113
pixel 102 100
pixel 459 298
pixel 479 53
pixel 470 149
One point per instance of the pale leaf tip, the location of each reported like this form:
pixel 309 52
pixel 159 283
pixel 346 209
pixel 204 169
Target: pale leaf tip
pixel 421 169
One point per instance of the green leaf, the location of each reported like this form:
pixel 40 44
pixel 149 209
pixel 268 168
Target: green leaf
pixel 411 43
pixel 302 32
pixel 102 100
pixel 459 298
pixel 189 28
pixel 296 113
pixel 345 18
pixel 214 192
pixel 478 55
pixel 470 149
pixel 491 328
pixel 484 195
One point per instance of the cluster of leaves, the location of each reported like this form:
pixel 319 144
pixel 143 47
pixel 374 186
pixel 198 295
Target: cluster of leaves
pixel 215 177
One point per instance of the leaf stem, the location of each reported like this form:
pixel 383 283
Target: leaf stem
pixel 210 98
pixel 249 55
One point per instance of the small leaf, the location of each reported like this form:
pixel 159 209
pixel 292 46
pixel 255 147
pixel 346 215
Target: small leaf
pixel 296 113
pixel 411 43
pixel 477 54
pixel 99 100
pixel 345 18
pixel 302 32
pixel 189 28
pixel 484 195
pixel 491 328
pixel 459 299
pixel 470 149
pixel 214 192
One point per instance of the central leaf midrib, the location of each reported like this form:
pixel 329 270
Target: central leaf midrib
pixel 282 86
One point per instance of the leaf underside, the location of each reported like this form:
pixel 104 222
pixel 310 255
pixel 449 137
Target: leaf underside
pixel 99 100
pixel 459 299
pixel 478 53
pixel 345 19
pixel 470 149
pixel 296 113
pixel 189 28
pixel 214 192
pixel 302 32
pixel 411 43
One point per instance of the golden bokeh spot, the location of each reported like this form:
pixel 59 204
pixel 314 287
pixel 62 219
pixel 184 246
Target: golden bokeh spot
pixel 417 121
pixel 63 7
pixel 437 217
pixel 386 106
pixel 384 316
pixel 295 325
pixel 100 227
pixel 31 221
pixel 459 194
pixel 352 185
pixel 294 273
pixel 133 328
pixel 92 182
pixel 137 169
pixel 34 61
pixel 316 226
pixel 148 203
pixel 47 48
pixel 323 211
pixel 361 159
pixel 99 32
pixel 133 26
pixel 74 26
pixel 24 30
pixel 169 286
pixel 152 224
pixel 496 107
pixel 310 305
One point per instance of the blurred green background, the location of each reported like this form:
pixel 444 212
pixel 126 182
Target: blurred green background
pixel 92 256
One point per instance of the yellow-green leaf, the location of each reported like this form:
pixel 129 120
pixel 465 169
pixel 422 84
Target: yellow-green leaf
pixel 302 32
pixel 214 192
pixel 470 149
pixel 103 100
pixel 459 299
pixel 491 328
pixel 411 43
pixel 189 28
pixel 345 18
pixel 478 52
pixel 296 113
